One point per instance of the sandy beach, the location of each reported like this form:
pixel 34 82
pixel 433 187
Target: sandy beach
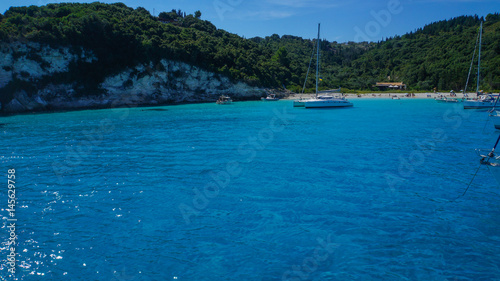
pixel 389 95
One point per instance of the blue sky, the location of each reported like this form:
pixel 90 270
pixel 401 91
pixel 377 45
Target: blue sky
pixel 342 21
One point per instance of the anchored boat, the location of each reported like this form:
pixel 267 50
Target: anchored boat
pixel 270 97
pixel 224 100
pixel 322 101
pixel 485 101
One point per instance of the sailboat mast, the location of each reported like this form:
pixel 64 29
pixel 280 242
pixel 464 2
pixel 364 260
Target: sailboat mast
pixel 479 59
pixel 317 62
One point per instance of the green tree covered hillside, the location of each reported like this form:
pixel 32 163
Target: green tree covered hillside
pixel 437 55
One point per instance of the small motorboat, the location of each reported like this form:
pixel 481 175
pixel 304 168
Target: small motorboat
pixel 270 97
pixel 446 99
pixel 224 100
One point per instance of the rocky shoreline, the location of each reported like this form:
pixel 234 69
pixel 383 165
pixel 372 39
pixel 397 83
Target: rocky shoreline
pixel 165 82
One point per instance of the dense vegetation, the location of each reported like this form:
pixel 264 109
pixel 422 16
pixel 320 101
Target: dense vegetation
pixel 437 55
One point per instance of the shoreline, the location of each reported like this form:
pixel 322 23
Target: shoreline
pixel 288 96
pixel 387 95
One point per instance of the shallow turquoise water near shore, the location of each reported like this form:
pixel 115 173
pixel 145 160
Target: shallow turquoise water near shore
pixel 253 191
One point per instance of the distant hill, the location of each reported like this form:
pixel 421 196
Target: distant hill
pixel 119 37
pixel 437 55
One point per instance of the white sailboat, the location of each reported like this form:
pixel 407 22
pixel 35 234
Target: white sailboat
pixel 322 101
pixel 486 101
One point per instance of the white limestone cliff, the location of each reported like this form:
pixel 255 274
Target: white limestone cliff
pixel 151 83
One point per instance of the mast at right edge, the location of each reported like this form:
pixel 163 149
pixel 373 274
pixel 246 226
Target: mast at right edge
pixel 479 60
pixel 317 62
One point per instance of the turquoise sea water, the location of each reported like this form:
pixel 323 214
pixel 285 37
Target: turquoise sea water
pixel 252 191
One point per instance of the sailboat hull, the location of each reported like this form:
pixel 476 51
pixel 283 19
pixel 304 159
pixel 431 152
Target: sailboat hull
pixel 478 104
pixel 333 103
pixel 299 103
